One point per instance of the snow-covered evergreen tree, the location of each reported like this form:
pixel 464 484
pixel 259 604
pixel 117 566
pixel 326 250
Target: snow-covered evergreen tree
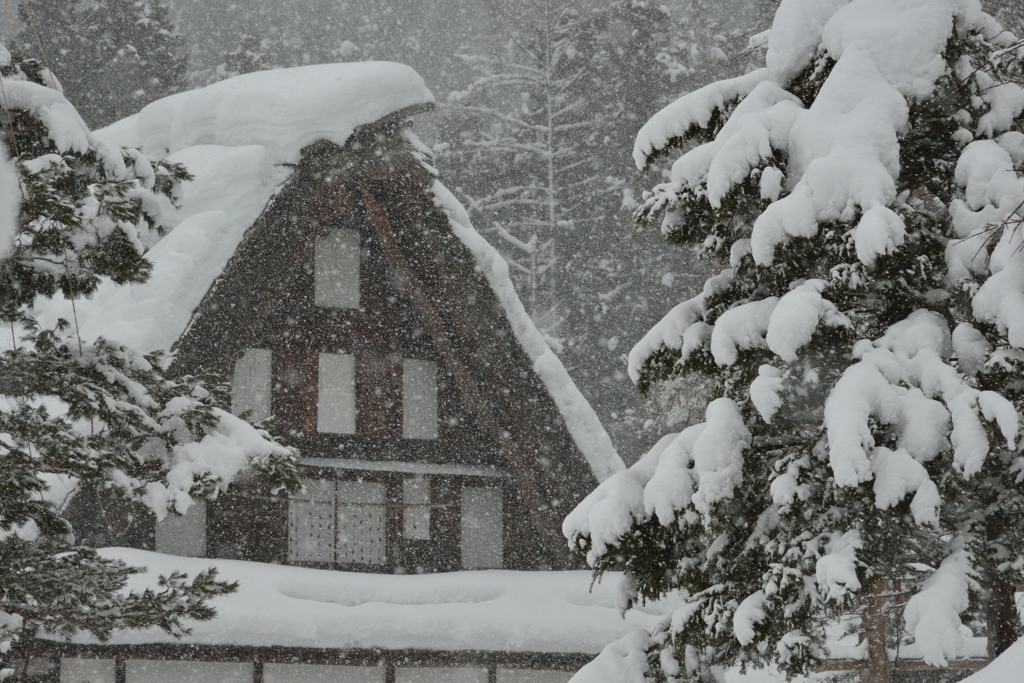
pixel 592 283
pixel 85 42
pixel 74 211
pixel 865 340
pixel 640 57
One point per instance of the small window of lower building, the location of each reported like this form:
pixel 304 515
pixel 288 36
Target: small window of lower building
pixel 482 527
pixel 416 509
pixel 77 669
pixel 321 673
pixel 336 394
pixel 533 676
pixel 174 671
pixel 251 385
pixel 439 674
pixel 419 399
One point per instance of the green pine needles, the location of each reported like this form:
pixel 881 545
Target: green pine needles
pixel 93 412
pixel 864 194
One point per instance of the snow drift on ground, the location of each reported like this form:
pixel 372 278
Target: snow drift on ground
pixel 481 610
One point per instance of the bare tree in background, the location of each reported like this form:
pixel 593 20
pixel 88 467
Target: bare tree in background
pixel 525 148
pixel 84 42
pixel 1010 14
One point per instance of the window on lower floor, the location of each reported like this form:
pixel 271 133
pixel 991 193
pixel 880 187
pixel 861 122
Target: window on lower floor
pixel 185 534
pixel 482 527
pixel 311 523
pixel 362 523
pixel 338 522
pixel 416 509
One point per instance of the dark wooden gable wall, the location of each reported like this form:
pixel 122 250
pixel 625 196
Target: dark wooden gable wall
pixel 421 296
pixel 264 299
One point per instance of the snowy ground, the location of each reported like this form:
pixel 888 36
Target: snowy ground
pixel 501 611
pixel 481 610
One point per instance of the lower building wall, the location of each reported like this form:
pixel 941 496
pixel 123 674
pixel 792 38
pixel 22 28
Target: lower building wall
pixel 57 663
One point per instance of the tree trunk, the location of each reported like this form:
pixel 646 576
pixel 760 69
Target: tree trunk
pixel 1001 616
pixel 874 633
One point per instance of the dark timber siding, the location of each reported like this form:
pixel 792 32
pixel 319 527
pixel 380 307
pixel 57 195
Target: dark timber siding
pixel 421 296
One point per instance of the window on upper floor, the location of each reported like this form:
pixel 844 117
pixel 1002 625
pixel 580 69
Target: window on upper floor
pixel 251 385
pixel 336 394
pixel 419 399
pixel 482 538
pixel 336 269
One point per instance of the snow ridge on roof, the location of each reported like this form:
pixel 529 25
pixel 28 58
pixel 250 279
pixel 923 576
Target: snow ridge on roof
pixel 231 188
pixel 234 137
pixel 282 110
pixel 583 424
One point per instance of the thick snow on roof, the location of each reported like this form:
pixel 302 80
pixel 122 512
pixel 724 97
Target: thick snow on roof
pixel 583 424
pixel 235 153
pixel 232 186
pixel 282 110
pixel 233 136
pixel 502 611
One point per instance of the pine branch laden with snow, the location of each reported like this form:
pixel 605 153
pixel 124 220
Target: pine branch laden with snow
pixel 537 136
pixel 865 188
pixel 93 411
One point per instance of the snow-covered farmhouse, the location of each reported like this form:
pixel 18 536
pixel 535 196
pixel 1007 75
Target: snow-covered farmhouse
pixel 317 261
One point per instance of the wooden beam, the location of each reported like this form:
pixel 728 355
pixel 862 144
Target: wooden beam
pixel 901 665
pixel 546 522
